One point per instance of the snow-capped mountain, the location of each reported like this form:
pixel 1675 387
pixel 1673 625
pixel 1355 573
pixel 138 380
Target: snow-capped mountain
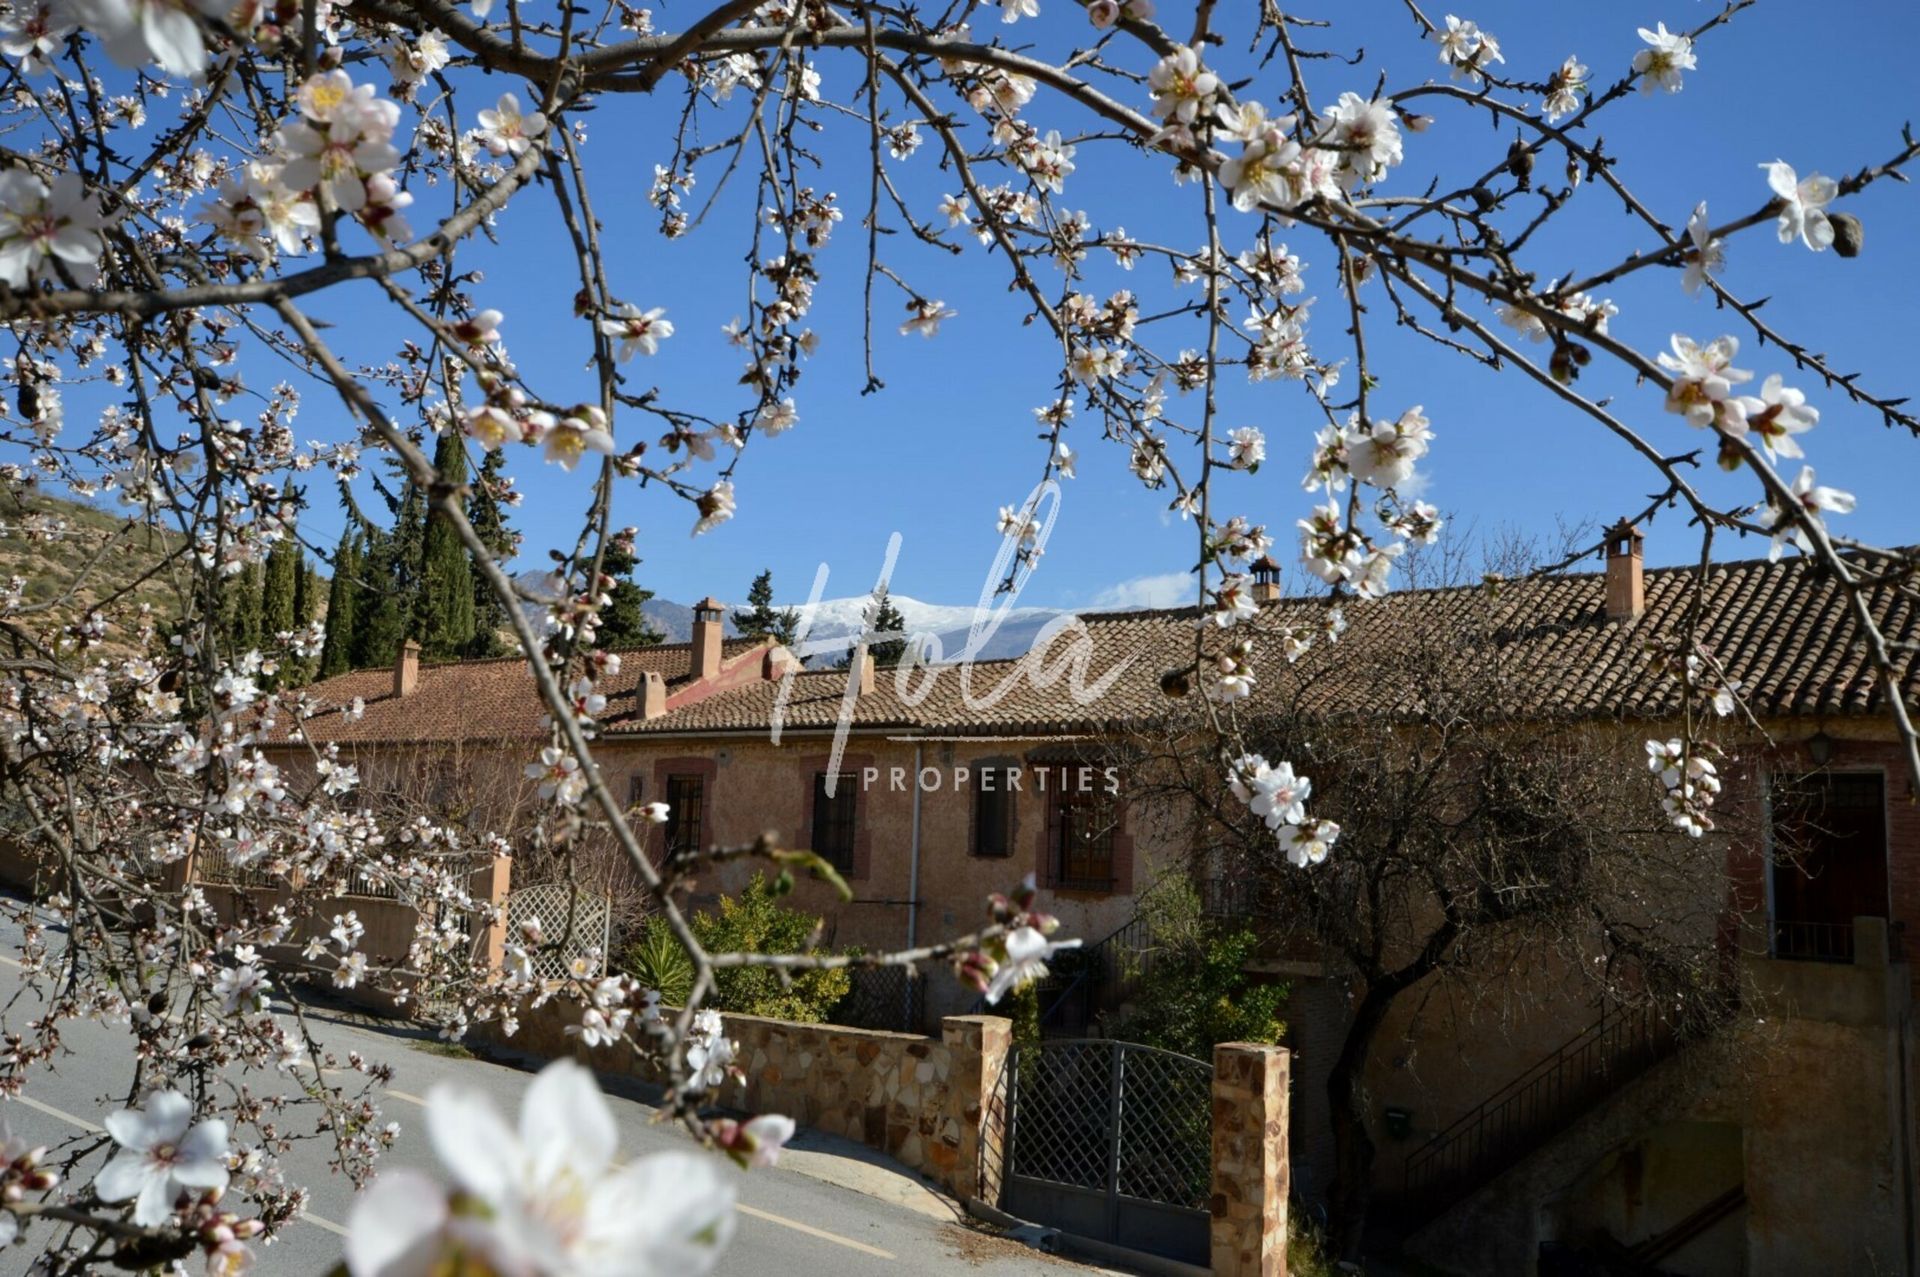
pixel 835 623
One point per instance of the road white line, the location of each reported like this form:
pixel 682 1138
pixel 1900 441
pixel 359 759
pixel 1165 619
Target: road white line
pixel 91 1129
pixel 755 1212
pixel 62 1114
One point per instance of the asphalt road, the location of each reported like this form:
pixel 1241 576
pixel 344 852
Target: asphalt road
pixel 790 1223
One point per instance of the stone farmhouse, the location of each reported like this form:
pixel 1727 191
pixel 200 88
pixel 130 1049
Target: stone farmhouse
pixel 954 783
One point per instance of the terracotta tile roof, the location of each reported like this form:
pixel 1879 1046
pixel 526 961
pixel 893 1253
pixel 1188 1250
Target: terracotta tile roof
pixel 490 699
pixel 1783 630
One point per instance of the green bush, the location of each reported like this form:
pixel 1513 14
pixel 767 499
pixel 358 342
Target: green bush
pixel 657 961
pixel 756 922
pixel 1194 990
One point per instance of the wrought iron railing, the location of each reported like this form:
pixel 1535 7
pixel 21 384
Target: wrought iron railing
pixel 1796 941
pixel 1541 1102
pixel 1228 897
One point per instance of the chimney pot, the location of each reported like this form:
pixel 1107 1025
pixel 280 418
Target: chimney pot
pixel 866 674
pixel 1626 580
pixel 406 670
pixel 652 694
pixel 707 638
pixel 1266 580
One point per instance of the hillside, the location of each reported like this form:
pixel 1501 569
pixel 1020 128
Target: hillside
pixel 74 556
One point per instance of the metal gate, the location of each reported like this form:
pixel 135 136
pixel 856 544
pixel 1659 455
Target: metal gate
pixel 1113 1141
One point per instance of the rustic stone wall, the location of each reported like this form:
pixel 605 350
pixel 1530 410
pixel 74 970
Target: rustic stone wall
pixel 1250 1171
pixel 928 1103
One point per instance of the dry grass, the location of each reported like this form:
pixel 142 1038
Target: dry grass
pixel 95 559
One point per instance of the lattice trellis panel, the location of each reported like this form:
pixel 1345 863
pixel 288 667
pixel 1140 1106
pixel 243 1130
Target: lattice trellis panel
pixel 580 917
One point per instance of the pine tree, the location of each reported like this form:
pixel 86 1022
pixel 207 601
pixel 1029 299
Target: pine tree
pixel 887 620
pixel 443 614
pixel 486 512
pixel 761 619
pixel 623 622
pixel 336 654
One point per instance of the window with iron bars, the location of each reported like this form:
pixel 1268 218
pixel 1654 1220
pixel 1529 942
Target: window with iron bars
pixel 685 796
pixel 833 819
pixel 1081 823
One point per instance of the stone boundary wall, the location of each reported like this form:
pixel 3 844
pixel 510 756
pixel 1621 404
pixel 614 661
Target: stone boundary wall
pixel 928 1103
pixel 936 1105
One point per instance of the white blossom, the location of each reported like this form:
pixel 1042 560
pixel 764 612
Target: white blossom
pixel 163 1154
pixel 1803 213
pixel 1667 55
pixel 552 1203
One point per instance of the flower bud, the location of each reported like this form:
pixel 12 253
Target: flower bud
pixel 1848 234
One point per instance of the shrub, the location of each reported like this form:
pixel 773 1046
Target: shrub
pixel 756 922
pixel 1194 990
pixel 657 961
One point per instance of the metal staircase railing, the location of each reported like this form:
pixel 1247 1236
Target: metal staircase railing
pixel 1081 980
pixel 1540 1103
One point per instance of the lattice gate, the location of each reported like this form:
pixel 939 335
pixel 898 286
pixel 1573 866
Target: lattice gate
pixel 580 918
pixel 1113 1141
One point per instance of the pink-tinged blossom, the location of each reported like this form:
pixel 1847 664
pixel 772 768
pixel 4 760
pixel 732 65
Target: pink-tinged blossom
pixel 41 224
pixel 504 130
pixel 34 33
pixel 1182 87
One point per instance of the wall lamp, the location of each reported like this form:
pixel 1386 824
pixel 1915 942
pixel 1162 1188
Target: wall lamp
pixel 1820 748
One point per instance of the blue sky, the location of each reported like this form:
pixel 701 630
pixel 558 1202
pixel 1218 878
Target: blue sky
pixel 951 438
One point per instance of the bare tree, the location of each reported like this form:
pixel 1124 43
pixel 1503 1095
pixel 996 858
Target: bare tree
pixel 1480 839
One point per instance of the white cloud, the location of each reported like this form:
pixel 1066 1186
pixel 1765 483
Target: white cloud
pixel 1169 589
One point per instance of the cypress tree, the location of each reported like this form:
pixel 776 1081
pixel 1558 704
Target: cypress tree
pixel 336 654
pixel 243 609
pixel 389 583
pixel 443 616
pixel 280 584
pixel 761 619
pixel 486 512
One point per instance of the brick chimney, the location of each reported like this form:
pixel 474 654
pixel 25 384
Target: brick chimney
pixel 865 674
pixel 706 638
pixel 1626 583
pixel 1266 580
pixel 651 694
pixel 406 670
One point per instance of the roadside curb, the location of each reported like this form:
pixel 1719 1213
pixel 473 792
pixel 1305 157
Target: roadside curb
pixel 1074 1246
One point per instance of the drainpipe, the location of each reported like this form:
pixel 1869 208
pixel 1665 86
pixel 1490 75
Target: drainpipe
pixel 913 856
pixel 913 880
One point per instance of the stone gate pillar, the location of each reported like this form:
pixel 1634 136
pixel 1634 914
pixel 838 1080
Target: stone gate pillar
pixel 1250 1172
pixel 972 1138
